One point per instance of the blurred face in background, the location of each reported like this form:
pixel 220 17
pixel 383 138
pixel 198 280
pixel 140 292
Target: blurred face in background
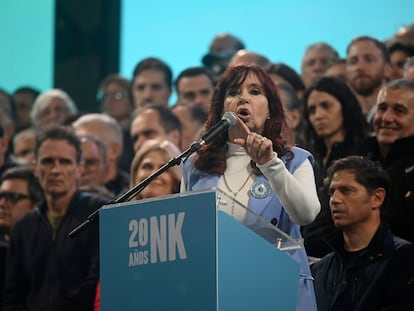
pixel 95 168
pixel 23 102
pixel 314 64
pixel 146 126
pixel 24 146
pixel 189 128
pixel 196 90
pixel 150 87
pixel 365 67
pixel 52 113
pixel 163 184
pixel 398 58
pixel 409 72
pixel 337 70
pixel 116 102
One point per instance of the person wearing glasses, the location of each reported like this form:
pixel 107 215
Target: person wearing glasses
pixel 115 100
pixel 20 192
pixel 47 269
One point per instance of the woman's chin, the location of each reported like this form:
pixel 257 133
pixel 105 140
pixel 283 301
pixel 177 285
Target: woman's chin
pixel 153 193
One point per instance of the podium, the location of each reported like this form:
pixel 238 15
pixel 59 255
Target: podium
pixel 183 252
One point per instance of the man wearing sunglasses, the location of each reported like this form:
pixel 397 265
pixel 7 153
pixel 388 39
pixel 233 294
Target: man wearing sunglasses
pixel 19 193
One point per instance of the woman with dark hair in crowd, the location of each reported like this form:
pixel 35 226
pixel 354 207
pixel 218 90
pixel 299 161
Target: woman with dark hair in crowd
pixel 335 128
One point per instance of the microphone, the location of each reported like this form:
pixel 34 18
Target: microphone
pixel 228 120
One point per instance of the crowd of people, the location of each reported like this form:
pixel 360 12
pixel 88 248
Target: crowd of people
pixel 323 154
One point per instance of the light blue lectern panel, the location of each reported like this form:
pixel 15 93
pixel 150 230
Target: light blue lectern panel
pixel 159 254
pixel 180 253
pixel 253 274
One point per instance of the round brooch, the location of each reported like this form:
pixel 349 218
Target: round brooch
pixel 260 189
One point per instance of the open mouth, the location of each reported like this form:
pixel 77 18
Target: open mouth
pixel 243 113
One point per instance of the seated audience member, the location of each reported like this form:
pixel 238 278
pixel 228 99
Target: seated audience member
pixel 151 82
pixel 293 111
pixel 46 269
pixel 95 167
pixel 282 73
pixel 334 122
pixel 6 120
pixel 409 68
pixel 6 102
pixel 221 50
pixel 23 99
pixel 335 128
pixel 115 99
pixel 316 60
pixel 367 68
pixel 192 119
pixel 195 85
pixel 337 69
pixel 250 57
pixel 399 53
pixel 155 121
pixel 24 143
pixel 392 146
pixel 6 161
pixel 52 107
pixel 20 192
pixel 150 157
pixel 369 268
pixel 405 35
pixel 107 130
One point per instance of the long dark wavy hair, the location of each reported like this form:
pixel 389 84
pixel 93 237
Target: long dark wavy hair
pixel 354 124
pixel 211 158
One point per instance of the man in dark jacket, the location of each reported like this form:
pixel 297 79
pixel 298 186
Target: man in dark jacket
pixel 47 270
pixel 393 148
pixel 20 193
pixel 369 269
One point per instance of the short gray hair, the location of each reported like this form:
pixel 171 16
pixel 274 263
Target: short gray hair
pixel 113 133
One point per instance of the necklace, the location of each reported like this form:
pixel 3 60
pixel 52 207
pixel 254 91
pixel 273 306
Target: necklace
pixel 235 193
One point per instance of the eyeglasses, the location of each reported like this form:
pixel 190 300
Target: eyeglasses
pixel 13 197
pixel 113 96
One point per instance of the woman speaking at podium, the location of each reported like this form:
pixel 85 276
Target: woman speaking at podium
pixel 253 164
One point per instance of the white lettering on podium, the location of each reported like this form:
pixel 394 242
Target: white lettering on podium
pixel 156 240
pixel 138 258
pixel 175 237
pixel 138 228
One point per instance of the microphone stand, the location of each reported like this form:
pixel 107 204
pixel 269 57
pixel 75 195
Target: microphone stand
pixel 139 187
